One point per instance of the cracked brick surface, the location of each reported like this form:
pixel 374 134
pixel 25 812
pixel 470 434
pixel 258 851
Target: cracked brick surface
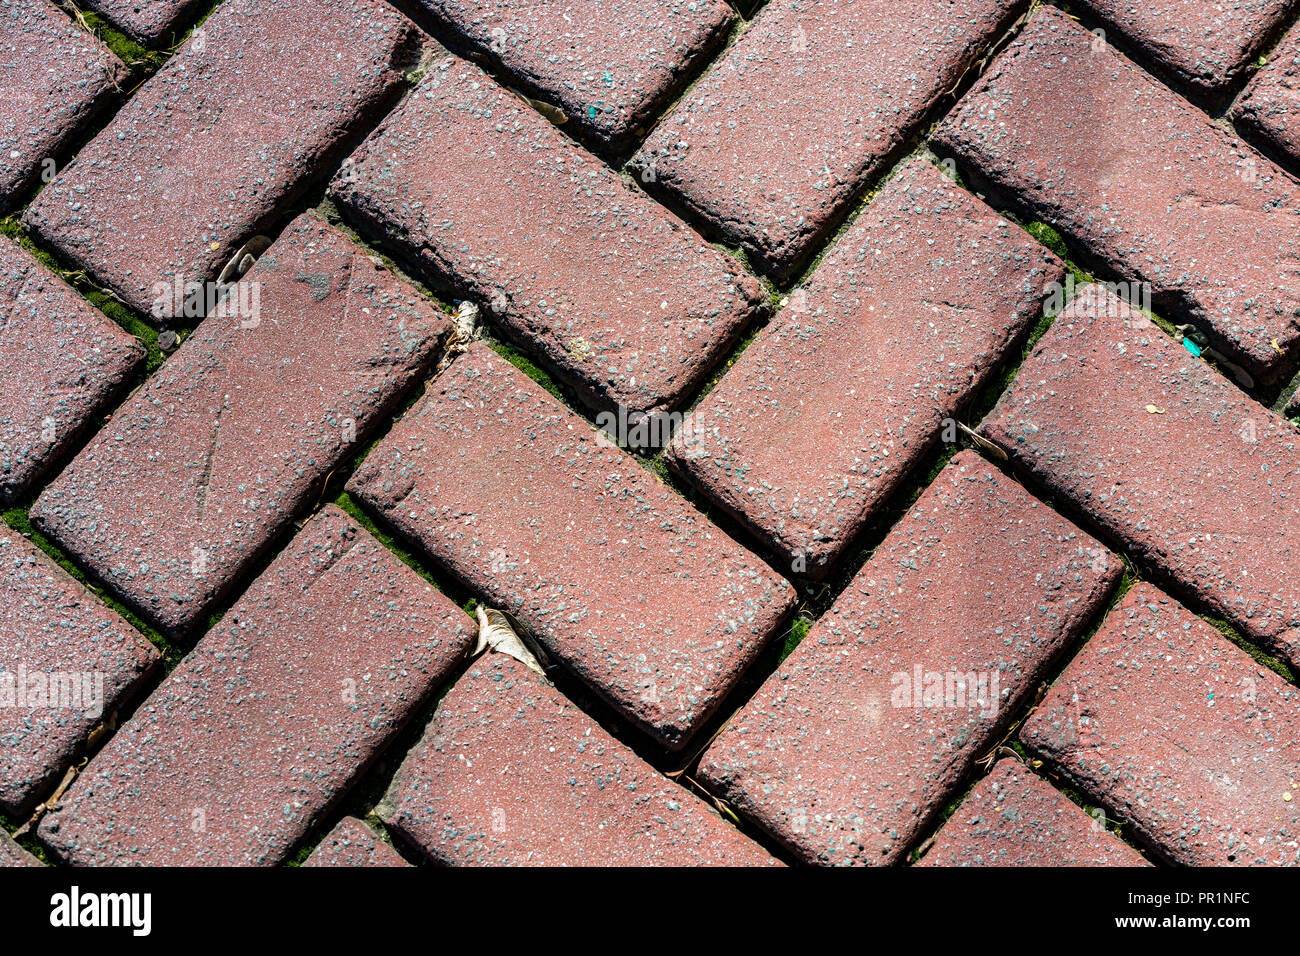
pixel 1269 108
pixel 53 78
pixel 1014 818
pixel 354 843
pixel 272 716
pixel 65 363
pixel 615 294
pixel 217 143
pixel 67 663
pixel 1205 46
pixel 512 774
pixel 1162 720
pixel 1195 479
pixel 839 398
pixel 640 595
pixel 612 66
pixel 847 751
pixel 1186 206
pixel 234 436
pixel 784 131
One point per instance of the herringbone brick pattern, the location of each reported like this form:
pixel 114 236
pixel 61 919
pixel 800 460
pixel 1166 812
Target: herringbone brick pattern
pixel 651 433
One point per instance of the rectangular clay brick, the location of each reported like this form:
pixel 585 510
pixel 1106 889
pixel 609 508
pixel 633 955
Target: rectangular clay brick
pixel 64 364
pixel 274 714
pixel 834 403
pixel 778 139
pixel 1014 818
pixel 149 22
pixel 1145 184
pixel 1204 46
pixel 212 148
pixel 1195 480
pixel 1181 734
pixel 12 855
pixel 610 65
pixel 235 435
pixel 1270 106
pixel 67 662
pixel 614 294
pixel 512 774
pixel 649 603
pixel 867 729
pixel 353 843
pixel 53 77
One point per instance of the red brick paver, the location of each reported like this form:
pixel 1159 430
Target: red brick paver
pixel 654 607
pixel 353 843
pixel 1195 479
pixel 1014 818
pixel 53 77
pixel 67 663
pixel 236 433
pixel 1205 46
pixel 511 773
pixel 64 363
pixel 615 294
pixel 780 136
pixel 837 400
pixel 271 718
pixel 1216 233
pixel 1270 106
pixel 210 150
pixel 611 65
pixel 150 22
pixel 863 733
pixel 1180 733
pixel 11 854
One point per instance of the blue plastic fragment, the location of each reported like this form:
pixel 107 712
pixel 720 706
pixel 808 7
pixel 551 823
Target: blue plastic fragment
pixel 1192 347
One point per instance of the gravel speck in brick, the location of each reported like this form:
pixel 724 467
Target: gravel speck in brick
pixel 647 601
pixel 613 293
pixel 273 716
pixel 1180 733
pixel 353 843
pixel 776 141
pixel 835 402
pixel 1141 181
pixel 212 148
pixel 235 434
pixel 1014 818
pixel 67 662
pixel 54 76
pixel 864 732
pixel 64 363
pixel 512 774
pixel 1197 481
pixel 611 65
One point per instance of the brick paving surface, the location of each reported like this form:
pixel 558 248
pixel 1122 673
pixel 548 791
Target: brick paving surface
pixel 615 293
pixel 11 854
pixel 783 132
pixel 1215 233
pixel 915 306
pixel 208 151
pixel 67 663
pixel 610 65
pixel 839 755
pixel 766 366
pixel 53 75
pixel 512 774
pixel 353 843
pixel 1164 721
pixel 64 363
pixel 639 594
pixel 278 709
pixel 1014 818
